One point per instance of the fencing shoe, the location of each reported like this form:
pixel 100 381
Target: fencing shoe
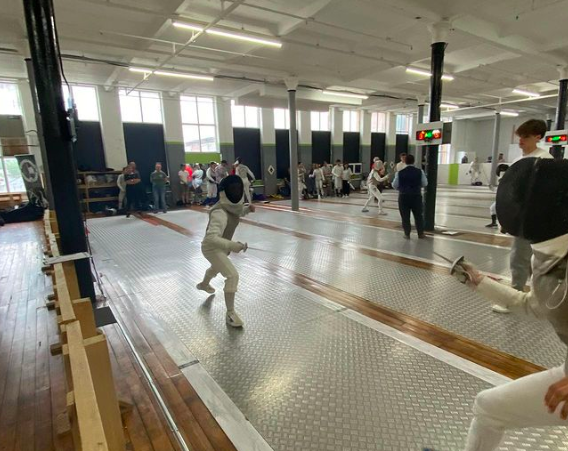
pixel 205 287
pixel 499 309
pixel 234 320
pixel 365 210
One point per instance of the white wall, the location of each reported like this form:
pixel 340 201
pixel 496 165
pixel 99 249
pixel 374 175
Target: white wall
pixel 476 136
pixel 111 127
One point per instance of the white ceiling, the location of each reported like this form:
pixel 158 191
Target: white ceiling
pixel 359 45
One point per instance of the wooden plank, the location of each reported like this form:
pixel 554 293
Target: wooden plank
pixel 89 422
pixel 63 303
pixel 83 309
pixel 101 372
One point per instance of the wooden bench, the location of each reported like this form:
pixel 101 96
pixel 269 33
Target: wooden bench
pixel 93 409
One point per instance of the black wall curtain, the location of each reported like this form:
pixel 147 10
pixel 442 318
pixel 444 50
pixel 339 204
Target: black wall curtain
pixel 247 147
pixel 145 146
pixel 321 147
pixel 378 146
pixel 351 147
pixel 88 149
pixel 401 145
pixel 282 153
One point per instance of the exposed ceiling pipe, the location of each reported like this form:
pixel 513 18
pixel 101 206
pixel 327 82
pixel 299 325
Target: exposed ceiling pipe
pixel 325 24
pixel 193 38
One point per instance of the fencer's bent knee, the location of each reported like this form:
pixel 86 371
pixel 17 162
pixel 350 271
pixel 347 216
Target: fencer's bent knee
pixel 486 409
pixel 231 281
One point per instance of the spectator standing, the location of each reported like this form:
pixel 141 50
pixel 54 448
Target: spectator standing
pixel 211 184
pixel 134 189
pixel 402 163
pixel 159 180
pixel 409 183
pixel 346 179
pixel 184 184
pixel 337 173
pixel 121 183
pixel 197 183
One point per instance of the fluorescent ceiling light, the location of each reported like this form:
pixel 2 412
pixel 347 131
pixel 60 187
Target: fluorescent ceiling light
pixel 449 106
pixel 525 93
pixel 509 113
pixel 244 37
pixel 412 70
pixel 187 26
pixel 172 74
pixel 230 34
pixel 345 94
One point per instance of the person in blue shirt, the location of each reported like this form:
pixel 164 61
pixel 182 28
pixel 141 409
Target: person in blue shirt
pixel 409 182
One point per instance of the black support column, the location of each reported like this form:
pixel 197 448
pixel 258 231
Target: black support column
pixel 558 151
pixel 439 36
pixel 44 52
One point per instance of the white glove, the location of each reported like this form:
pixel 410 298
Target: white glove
pixel 237 246
pixel 465 272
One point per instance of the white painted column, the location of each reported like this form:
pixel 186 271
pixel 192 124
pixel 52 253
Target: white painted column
pixel 171 108
pixel 336 134
pixel 366 139
pixel 111 127
pixel 305 137
pixel 391 138
pixel 225 129
pixel 268 151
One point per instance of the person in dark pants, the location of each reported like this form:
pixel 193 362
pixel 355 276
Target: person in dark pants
pixel 409 183
pixel 134 189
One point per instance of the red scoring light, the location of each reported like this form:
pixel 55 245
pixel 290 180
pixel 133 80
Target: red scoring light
pixel 556 138
pixel 420 135
pixel 428 135
pixel 436 134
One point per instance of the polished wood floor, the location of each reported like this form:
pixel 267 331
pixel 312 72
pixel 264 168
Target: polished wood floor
pixel 32 382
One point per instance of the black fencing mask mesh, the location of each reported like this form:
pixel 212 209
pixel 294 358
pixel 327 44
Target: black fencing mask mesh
pixel 233 188
pixel 532 199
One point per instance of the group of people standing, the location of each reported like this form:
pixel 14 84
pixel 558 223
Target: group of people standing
pixel 193 179
pixel 132 192
pixel 324 180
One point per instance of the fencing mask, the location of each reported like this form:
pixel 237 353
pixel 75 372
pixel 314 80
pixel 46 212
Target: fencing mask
pixel 233 188
pixel 532 199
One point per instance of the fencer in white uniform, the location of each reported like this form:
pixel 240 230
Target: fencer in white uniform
pixel 318 177
pixel 337 173
pixel 474 171
pixel 224 218
pixel 211 183
pixel 244 173
pixel 373 185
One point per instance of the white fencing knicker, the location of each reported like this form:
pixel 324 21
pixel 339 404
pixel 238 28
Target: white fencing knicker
pixel 374 193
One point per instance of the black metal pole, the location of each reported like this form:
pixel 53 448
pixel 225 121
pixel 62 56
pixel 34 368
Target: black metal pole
pixel 558 151
pixel 437 69
pixel 41 142
pixel 44 52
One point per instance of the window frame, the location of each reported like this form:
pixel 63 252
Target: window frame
pixel 198 123
pixel 351 115
pixel 18 99
pixel 140 107
pixel 408 130
pixel 319 127
pixel 66 96
pixel 244 115
pixel 286 113
pixel 3 159
pixel 376 123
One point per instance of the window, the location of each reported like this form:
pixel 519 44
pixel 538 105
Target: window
pixel 245 116
pixel 281 118
pixel 320 121
pixel 10 176
pixel 198 121
pixel 403 124
pixel 379 122
pixel 85 98
pixel 351 121
pixel 444 154
pixel 9 99
pixel 140 106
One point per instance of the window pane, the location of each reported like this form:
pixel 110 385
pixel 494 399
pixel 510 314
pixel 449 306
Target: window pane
pixel 324 121
pixel 3 186
pixel 86 101
pixel 374 122
pixel 130 107
pixel 151 107
pixel 9 99
pixel 189 110
pixel 251 117
pixel 208 141
pixel 281 119
pixel 206 111
pixel 237 114
pixel 15 181
pixel 314 120
pixel 191 138
pixel 346 121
